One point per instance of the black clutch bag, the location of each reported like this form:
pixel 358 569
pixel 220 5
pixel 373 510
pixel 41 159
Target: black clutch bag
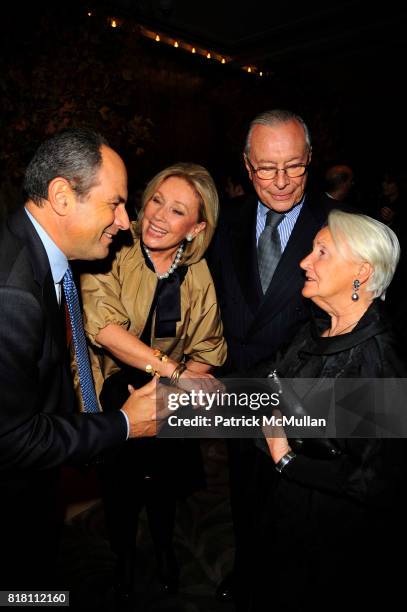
pixel 316 448
pixel 291 405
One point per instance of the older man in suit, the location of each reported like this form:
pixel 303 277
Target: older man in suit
pixel 255 264
pixel 76 189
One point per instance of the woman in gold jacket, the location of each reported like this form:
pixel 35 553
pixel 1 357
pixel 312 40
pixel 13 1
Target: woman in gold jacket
pixel 153 310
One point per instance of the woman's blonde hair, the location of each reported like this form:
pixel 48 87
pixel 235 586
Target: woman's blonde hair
pixel 204 187
pixel 369 240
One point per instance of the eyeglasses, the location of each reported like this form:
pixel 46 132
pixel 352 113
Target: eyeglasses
pixel 268 174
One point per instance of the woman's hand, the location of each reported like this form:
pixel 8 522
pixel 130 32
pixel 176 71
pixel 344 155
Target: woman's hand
pixel 277 440
pixel 192 374
pixel 278 447
pixel 192 380
pixel 197 378
pixel 198 368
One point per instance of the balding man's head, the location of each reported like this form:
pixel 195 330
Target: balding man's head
pixel 338 181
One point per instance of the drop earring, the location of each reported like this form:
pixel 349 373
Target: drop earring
pixel 356 287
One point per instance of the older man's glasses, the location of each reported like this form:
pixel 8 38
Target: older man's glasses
pixel 270 173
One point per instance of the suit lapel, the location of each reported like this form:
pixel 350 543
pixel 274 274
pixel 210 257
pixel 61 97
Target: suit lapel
pixel 244 253
pixel 22 227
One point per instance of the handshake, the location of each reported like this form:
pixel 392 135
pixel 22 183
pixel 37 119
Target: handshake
pixel 147 408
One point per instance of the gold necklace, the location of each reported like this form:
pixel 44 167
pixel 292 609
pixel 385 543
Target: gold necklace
pixel 344 329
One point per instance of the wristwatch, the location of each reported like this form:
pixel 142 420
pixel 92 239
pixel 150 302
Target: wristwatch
pixel 285 459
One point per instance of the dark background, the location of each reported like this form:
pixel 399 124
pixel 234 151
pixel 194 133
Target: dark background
pixel 341 65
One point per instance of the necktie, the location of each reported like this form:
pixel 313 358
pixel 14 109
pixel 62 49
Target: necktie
pixel 269 248
pixel 79 341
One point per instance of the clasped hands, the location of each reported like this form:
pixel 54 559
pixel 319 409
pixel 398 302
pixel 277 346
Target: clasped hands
pixel 147 407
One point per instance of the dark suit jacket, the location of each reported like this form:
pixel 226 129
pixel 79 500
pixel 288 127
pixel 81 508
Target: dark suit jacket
pixel 256 325
pixel 39 430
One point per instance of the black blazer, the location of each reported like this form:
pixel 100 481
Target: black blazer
pixel 38 426
pixel 256 325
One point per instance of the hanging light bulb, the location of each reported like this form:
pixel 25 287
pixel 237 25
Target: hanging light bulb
pixel 208 55
pixel 113 23
pixel 193 50
pixel 176 44
pixel 223 60
pixel 157 38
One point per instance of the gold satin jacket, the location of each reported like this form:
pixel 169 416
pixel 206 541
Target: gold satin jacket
pixel 124 296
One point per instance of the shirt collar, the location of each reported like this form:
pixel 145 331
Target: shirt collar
pixel 57 259
pixel 262 209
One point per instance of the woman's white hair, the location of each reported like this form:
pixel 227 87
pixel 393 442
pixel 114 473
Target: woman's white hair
pixel 369 240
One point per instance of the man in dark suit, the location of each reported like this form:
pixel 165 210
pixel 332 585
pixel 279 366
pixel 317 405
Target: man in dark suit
pixel 260 315
pixel 76 189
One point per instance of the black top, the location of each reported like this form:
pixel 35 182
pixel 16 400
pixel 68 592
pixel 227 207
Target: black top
pixel 333 521
pixel 370 350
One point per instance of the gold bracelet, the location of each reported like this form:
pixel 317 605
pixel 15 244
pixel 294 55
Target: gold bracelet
pixel 160 355
pixel 150 370
pixel 181 367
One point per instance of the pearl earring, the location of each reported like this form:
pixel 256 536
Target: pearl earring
pixel 356 287
pixel 189 237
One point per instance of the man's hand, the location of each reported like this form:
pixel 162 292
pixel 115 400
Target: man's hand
pixel 142 410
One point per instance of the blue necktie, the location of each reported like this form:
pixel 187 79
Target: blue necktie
pixel 79 342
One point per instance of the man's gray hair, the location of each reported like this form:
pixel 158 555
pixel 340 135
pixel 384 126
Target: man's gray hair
pixel 275 117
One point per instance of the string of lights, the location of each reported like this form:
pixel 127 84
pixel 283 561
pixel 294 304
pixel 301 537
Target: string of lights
pixel 178 43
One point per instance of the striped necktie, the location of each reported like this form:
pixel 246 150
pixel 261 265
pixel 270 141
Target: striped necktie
pixel 269 248
pixel 79 342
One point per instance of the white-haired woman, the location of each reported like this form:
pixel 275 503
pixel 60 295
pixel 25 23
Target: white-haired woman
pixel 327 515
pixel 154 311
